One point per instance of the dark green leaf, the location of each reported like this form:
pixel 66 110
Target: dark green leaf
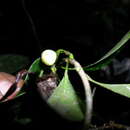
pixel 35 67
pixel 106 58
pixel 122 89
pixel 65 101
pixel 11 63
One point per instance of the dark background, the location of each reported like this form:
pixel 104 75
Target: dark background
pixel 87 28
pixel 79 26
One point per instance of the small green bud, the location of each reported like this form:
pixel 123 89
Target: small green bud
pixel 48 57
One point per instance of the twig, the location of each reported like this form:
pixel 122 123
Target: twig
pixel 88 93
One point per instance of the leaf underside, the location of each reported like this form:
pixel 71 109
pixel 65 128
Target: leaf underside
pixel 65 101
pixel 122 89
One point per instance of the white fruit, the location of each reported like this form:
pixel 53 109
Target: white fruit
pixel 48 57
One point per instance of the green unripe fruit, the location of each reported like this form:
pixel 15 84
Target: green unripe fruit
pixel 48 57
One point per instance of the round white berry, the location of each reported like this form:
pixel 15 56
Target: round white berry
pixel 48 57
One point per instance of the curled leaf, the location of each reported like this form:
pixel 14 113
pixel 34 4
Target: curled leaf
pixel 35 68
pixel 65 101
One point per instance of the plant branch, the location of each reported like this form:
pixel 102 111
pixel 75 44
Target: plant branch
pixel 88 93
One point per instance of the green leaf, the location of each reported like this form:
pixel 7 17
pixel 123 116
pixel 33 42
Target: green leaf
pixel 36 67
pixel 122 89
pixel 65 101
pixel 11 63
pixel 106 58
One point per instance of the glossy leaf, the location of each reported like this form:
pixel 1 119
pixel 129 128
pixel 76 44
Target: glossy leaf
pixel 35 67
pixel 65 101
pixel 106 58
pixel 122 89
pixel 11 63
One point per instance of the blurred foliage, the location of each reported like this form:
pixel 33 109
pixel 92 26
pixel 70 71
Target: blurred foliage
pixel 12 63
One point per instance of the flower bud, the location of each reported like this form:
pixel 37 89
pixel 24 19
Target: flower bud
pixel 48 57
